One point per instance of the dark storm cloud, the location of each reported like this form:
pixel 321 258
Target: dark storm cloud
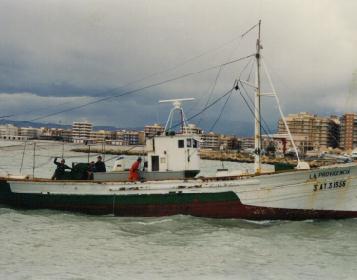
pixel 58 54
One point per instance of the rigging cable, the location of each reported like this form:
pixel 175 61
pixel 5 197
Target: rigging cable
pixel 23 157
pixel 212 91
pixel 246 92
pixel 192 58
pixel 224 105
pixel 219 73
pixel 200 112
pixel 157 84
pixel 253 105
pixel 142 88
pixel 150 75
pixel 193 116
pixel 251 61
pixel 251 110
pixel 221 112
pixel 206 108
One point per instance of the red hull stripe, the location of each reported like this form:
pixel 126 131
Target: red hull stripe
pixel 231 210
pixel 222 210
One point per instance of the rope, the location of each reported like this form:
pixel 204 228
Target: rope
pixel 252 111
pixel 212 91
pixel 221 112
pixel 142 88
pixel 168 69
pixel 261 117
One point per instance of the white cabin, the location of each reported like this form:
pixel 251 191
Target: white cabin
pixel 177 152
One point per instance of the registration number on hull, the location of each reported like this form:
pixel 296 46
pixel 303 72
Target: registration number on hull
pixel 329 185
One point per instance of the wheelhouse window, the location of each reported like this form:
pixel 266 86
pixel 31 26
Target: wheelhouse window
pixel 181 143
pixel 189 143
pixel 195 143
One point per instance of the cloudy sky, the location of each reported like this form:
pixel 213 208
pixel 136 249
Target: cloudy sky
pixel 55 55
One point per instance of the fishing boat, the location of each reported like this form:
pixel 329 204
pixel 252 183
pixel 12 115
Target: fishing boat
pixel 325 193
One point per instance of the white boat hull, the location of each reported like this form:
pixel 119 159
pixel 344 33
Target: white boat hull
pixel 320 193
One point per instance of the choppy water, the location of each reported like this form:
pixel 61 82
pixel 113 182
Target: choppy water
pixel 46 244
pixel 55 245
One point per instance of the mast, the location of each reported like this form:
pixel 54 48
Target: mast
pixel 34 160
pixel 257 112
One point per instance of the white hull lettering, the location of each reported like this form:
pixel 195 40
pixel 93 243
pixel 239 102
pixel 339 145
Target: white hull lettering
pixel 329 173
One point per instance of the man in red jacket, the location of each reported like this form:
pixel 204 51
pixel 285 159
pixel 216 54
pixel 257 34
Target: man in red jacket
pixel 134 171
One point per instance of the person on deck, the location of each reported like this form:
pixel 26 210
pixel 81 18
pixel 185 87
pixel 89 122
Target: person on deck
pixel 99 165
pixel 60 170
pixel 134 171
pixel 90 170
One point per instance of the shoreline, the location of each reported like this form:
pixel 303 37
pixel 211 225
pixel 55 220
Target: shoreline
pixel 232 156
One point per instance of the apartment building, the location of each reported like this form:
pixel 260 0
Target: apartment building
pixel 101 136
pixel 192 129
pixel 9 132
pixel 127 138
pixel 30 132
pixel 153 130
pixel 317 132
pixel 348 131
pixel 247 143
pixel 210 141
pixel 229 142
pixel 81 131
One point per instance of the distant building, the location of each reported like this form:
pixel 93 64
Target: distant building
pixel 58 134
pixel 128 138
pixel 67 135
pixel 30 132
pixel 283 144
pixel 153 130
pixel 317 132
pixel 192 129
pixel 247 143
pixel 229 142
pixel 210 141
pixel 348 131
pixel 141 138
pixel 101 136
pixel 81 131
pixel 9 132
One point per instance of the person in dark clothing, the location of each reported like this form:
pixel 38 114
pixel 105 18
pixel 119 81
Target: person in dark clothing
pixel 90 170
pixel 60 170
pixel 99 165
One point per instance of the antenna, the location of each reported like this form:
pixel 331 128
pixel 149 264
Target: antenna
pixel 176 102
pixel 177 106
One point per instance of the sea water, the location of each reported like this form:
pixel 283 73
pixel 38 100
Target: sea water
pixel 43 244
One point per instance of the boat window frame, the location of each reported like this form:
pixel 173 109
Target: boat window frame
pixel 189 143
pixel 194 143
pixel 181 143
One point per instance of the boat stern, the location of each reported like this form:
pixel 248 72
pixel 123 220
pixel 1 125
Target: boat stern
pixel 5 191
